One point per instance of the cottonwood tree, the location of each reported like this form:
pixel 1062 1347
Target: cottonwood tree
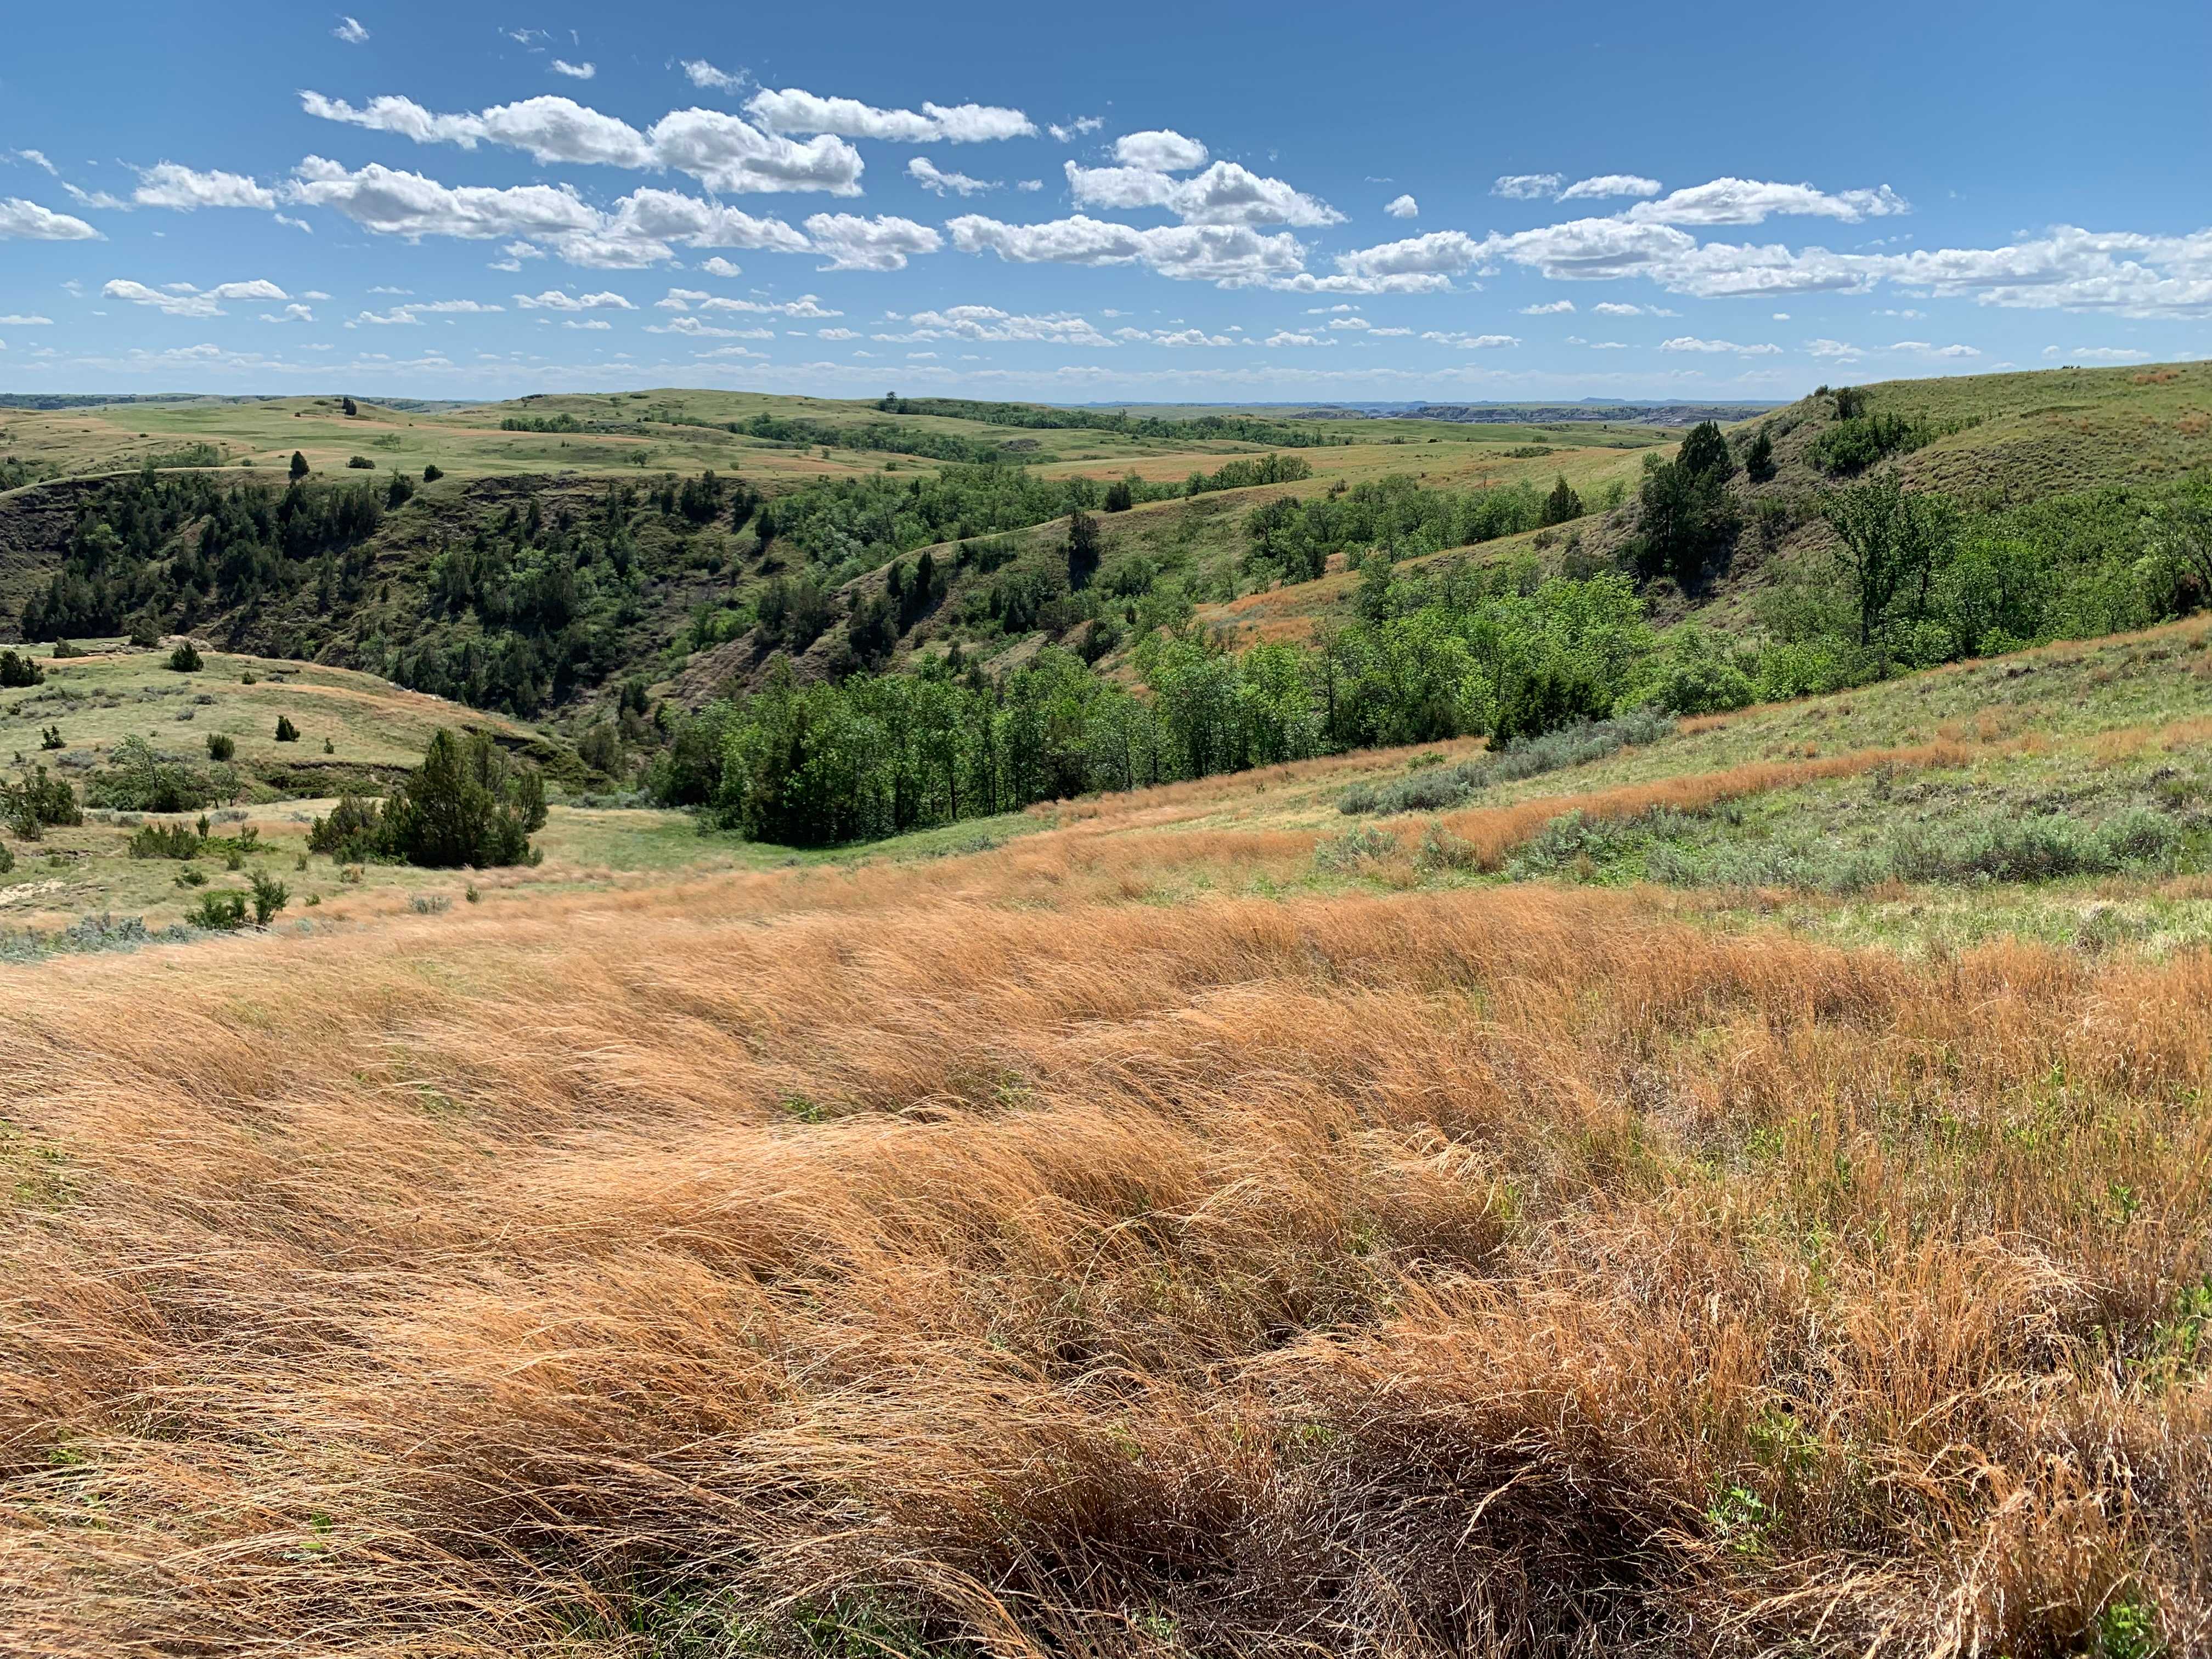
pixel 1891 542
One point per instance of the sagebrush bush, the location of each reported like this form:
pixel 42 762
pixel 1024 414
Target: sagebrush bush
pixel 1436 789
pixel 138 780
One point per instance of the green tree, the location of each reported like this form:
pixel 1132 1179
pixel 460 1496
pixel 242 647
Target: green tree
pixel 1082 550
pixel 1758 457
pixel 467 803
pixel 1704 450
pixel 2181 534
pixel 186 658
pixel 286 731
pixel 1687 517
pixel 1891 542
pixel 1563 503
pixel 299 467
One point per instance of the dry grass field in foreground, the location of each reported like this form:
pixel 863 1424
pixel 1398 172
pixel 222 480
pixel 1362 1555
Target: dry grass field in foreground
pixel 966 1257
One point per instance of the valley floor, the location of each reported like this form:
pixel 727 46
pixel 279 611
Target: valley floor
pixel 1735 1196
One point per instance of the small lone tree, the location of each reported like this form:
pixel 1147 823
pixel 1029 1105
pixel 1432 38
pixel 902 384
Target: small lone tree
pixel 433 472
pixel 1563 504
pixel 299 467
pixel 186 658
pixel 467 803
pixel 1082 549
pixel 350 408
pixel 221 746
pixel 286 731
pixel 1758 457
pixel 18 670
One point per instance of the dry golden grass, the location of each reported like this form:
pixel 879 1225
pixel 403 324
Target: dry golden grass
pixel 957 1255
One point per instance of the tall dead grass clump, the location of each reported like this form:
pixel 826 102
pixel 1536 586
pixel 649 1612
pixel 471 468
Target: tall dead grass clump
pixel 955 1256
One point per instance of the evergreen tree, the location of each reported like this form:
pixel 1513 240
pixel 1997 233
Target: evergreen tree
pixel 1563 503
pixel 1082 550
pixel 1758 457
pixel 299 467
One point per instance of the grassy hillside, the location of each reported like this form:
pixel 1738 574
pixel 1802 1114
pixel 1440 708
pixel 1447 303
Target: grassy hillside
pixel 2001 441
pixel 1585 1217
pixel 1017 569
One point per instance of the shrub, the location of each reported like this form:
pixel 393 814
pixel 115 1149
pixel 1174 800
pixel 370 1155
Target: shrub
pixel 185 659
pixel 222 912
pixel 39 800
pixel 158 840
pixel 1546 696
pixel 1435 788
pixel 142 635
pixel 140 780
pixel 16 669
pixel 221 746
pixel 350 834
pixel 270 896
pixel 1354 848
pixel 362 462
pixel 1440 849
pixel 50 738
pixel 64 648
pixel 432 473
pixel 286 731
pixel 467 803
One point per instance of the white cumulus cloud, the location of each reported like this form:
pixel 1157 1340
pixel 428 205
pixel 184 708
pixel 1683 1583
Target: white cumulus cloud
pixel 1162 150
pixel 791 110
pixel 1752 201
pixel 165 185
pixel 1692 343
pixel 1609 184
pixel 927 173
pixel 1402 207
pixel 704 76
pixel 1225 194
pixel 183 300
pixel 1229 256
pixel 883 243
pixel 28 221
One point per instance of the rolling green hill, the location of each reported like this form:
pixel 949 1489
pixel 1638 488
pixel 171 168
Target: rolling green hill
pixel 1515 575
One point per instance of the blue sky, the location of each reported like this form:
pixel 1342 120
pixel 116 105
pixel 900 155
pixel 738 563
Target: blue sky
pixel 1150 202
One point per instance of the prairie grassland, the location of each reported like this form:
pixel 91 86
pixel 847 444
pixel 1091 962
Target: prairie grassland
pixel 977 1254
pixel 470 442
